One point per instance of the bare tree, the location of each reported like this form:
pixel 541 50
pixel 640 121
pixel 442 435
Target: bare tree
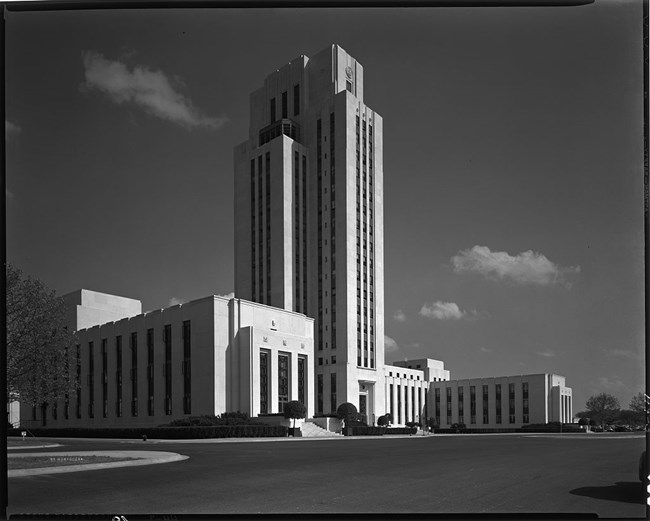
pixel 639 405
pixel 38 342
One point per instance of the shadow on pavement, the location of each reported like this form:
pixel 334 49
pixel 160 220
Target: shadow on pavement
pixel 624 491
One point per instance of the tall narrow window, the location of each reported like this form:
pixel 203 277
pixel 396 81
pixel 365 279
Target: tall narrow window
pixel 284 105
pixel 134 374
pixel 187 368
pixel 437 405
pixel 524 388
pixel 348 86
pixel 104 379
pixel 333 392
pixel 511 402
pixel 272 110
pixel 497 392
pixel 264 382
pixel 283 380
pixel 168 368
pixel 296 99
pixel 319 393
pixel 486 417
pixel 302 376
pixel 150 373
pixel 268 227
pixel 78 404
pixel 91 380
pixel 461 405
pixel 448 404
pixel 472 404
pixel 253 229
pixel 118 376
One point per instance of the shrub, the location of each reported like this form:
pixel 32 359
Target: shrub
pixel 347 412
pixel 294 410
pixel 400 430
pixel 206 420
pixel 382 421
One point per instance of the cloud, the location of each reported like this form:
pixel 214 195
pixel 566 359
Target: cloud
pixel 151 90
pixel 399 316
pixel 11 128
pixel 486 350
pixel 626 354
pixel 8 194
pixel 228 295
pixel 547 353
pixel 442 311
pixel 526 268
pixel 175 301
pixel 613 383
pixel 390 346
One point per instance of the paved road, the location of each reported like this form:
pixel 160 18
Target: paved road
pixel 444 474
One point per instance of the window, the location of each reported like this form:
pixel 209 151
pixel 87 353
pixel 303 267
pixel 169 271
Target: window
pixel 486 418
pixel 348 86
pixel 333 392
pixel 511 402
pixel 296 100
pixel 167 333
pixel 461 405
pixel 150 366
pixel 284 104
pixel 498 402
pixel 472 404
pixel 187 367
pixel 91 380
pixel 302 363
pixel 104 379
pixel 448 404
pixel 264 382
pixel 118 376
pixel 134 374
pixel 272 110
pixel 524 389
pixel 319 394
pixel 283 380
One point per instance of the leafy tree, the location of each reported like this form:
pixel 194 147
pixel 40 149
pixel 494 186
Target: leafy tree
pixel 639 405
pixel 346 412
pixel 38 342
pixel 294 410
pixel 603 407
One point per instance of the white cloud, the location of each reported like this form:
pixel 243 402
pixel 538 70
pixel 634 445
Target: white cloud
pixel 11 128
pixel 442 311
pixel 611 383
pixel 626 354
pixel 174 301
pixel 390 346
pixel 399 316
pixel 228 295
pixel 486 350
pixel 151 90
pixel 547 353
pixel 527 267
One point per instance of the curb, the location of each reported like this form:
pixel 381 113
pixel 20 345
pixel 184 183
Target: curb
pixel 145 457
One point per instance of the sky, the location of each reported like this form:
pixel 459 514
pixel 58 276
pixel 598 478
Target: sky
pixel 513 168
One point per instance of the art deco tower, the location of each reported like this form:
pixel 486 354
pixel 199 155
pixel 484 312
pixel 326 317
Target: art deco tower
pixel 309 219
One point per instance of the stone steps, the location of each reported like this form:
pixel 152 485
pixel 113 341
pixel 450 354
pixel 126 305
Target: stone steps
pixel 311 430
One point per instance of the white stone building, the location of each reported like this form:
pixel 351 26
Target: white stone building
pixel 207 356
pixel 307 322
pixel 507 402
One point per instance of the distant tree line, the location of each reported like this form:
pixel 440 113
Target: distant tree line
pixel 604 409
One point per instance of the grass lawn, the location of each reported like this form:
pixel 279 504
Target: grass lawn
pixel 27 442
pixel 37 462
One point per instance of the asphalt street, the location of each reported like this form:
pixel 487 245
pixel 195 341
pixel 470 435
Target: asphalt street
pixel 594 473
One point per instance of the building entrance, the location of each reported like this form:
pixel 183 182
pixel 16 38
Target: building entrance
pixel 366 402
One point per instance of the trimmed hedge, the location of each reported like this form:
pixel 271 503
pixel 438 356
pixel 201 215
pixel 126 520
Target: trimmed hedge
pixel 401 430
pixel 366 430
pixel 165 433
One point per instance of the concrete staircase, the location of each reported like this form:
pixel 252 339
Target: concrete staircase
pixel 311 430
